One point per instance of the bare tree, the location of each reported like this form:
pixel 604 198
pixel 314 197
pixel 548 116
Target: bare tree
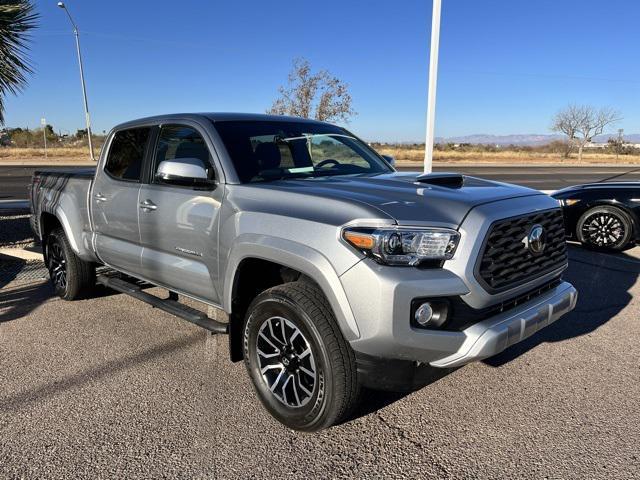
pixel 580 123
pixel 317 95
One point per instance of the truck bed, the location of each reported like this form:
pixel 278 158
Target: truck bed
pixel 64 195
pixel 69 172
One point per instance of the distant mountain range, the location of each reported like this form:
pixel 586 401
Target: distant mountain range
pixel 531 139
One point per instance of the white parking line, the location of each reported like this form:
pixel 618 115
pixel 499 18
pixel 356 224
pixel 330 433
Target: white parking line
pixel 21 253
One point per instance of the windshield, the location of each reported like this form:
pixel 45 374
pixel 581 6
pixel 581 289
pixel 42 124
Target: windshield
pixel 263 151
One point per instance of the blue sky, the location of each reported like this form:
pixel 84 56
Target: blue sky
pixel 505 65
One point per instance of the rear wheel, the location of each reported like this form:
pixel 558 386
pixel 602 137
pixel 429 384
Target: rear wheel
pixel 70 275
pixel 302 368
pixel 607 228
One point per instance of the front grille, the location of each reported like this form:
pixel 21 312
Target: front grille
pixel 506 262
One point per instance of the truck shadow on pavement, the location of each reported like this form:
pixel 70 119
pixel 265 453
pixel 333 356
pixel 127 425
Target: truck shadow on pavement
pixel 373 400
pixel 19 301
pixel 18 400
pixel 22 300
pixel 603 281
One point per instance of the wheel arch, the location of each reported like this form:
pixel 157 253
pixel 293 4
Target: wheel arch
pixel 254 265
pixel 50 221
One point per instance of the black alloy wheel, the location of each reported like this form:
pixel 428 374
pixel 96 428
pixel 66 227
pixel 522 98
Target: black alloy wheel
pixel 607 228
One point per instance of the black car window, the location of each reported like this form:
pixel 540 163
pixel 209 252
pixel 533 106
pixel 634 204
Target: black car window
pixel 273 150
pixel 126 154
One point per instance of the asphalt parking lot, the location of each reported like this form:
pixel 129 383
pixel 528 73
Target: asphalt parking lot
pixel 109 387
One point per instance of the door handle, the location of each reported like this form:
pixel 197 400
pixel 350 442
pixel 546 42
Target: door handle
pixel 100 198
pixel 148 206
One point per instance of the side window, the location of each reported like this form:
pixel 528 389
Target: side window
pixel 178 142
pixel 126 154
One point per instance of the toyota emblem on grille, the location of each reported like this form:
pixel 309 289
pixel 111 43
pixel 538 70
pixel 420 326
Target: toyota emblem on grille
pixel 536 240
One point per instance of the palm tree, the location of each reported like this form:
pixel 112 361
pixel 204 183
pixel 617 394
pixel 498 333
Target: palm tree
pixel 17 19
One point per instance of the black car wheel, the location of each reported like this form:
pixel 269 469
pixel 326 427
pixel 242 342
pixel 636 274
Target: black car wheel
pixel 607 228
pixel 302 368
pixel 70 275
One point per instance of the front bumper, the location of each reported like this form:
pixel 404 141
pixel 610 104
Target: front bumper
pixel 492 336
pixel 380 299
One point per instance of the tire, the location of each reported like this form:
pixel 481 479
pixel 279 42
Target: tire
pixel 605 228
pixel 313 382
pixel 70 275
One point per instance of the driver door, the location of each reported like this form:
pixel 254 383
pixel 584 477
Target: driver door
pixel 179 224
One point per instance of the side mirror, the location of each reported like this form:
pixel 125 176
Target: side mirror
pixel 188 172
pixel 391 160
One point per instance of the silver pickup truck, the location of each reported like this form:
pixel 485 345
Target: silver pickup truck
pixel 336 271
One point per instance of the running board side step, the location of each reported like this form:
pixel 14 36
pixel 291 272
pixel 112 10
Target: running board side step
pixel 170 305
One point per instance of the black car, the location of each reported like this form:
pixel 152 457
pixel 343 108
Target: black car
pixel 602 215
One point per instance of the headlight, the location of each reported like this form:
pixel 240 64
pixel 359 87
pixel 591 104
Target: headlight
pixel 403 246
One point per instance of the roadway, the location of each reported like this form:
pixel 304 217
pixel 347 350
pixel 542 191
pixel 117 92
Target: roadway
pixel 110 387
pixel 14 179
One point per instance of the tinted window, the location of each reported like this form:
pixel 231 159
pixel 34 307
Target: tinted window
pixel 126 154
pixel 180 142
pixel 272 150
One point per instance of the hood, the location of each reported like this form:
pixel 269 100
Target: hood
pixel 402 197
pixel 598 185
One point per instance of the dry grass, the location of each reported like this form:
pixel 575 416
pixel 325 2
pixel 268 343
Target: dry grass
pixel 57 152
pixel 412 155
pixel 55 156
pixel 404 155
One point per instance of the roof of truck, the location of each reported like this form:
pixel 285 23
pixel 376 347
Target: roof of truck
pixel 217 117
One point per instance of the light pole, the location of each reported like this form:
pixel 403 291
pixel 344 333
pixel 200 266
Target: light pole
pixel 619 142
pixel 433 81
pixel 84 88
pixel 43 122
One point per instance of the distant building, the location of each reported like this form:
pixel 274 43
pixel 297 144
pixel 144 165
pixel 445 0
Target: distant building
pixel 594 145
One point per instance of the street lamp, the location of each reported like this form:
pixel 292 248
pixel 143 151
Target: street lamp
pixel 84 88
pixel 433 81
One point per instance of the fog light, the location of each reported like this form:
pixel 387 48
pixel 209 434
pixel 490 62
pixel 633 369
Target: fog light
pixel 431 314
pixel 424 314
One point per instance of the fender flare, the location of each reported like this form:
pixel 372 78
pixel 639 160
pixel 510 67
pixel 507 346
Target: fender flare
pixel 61 217
pixel 300 257
pixel 66 226
pixel 59 214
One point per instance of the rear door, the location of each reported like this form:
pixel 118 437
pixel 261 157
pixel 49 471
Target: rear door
pixel 179 229
pixel 114 200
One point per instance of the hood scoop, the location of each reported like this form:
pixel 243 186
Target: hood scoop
pixel 451 180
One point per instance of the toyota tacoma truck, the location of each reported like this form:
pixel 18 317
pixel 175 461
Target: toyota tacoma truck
pixel 336 272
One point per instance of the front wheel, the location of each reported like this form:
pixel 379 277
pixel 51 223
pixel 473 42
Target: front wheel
pixel 302 368
pixel 606 228
pixel 70 275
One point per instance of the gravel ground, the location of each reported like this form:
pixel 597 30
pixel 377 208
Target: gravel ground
pixel 109 387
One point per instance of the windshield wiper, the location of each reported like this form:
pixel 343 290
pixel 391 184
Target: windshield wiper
pixel 282 176
pixel 330 174
pixel 286 176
